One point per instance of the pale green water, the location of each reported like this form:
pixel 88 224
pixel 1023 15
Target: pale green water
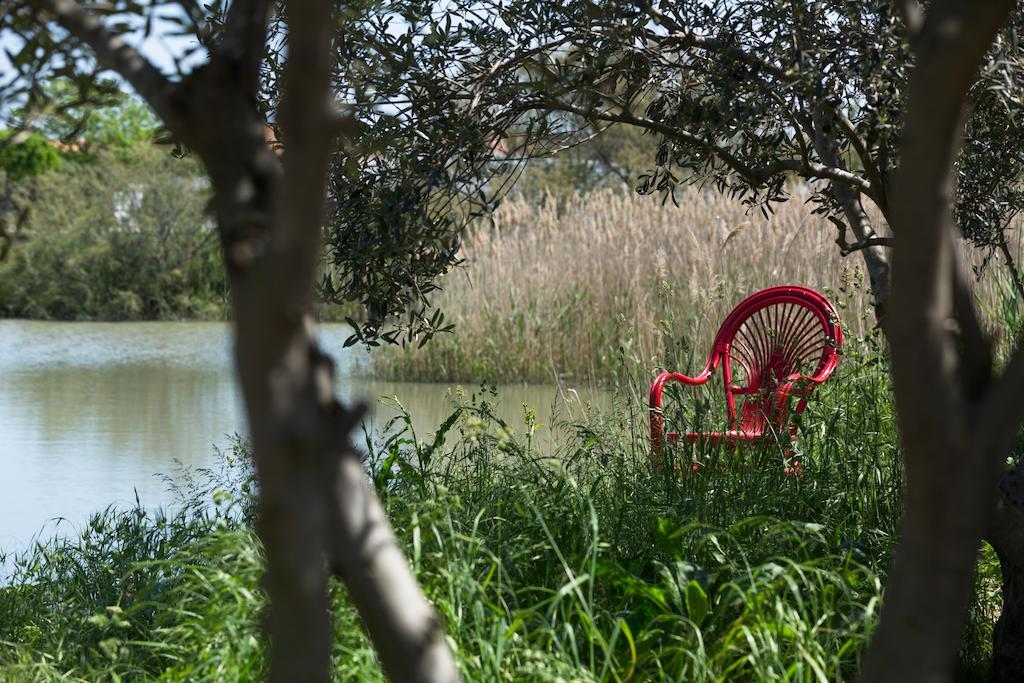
pixel 92 412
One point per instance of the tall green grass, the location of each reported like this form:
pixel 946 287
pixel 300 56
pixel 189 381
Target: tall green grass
pixel 575 562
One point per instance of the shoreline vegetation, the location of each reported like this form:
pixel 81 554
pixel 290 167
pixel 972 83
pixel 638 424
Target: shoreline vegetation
pixel 582 287
pixel 592 286
pixel 578 287
pixel 547 563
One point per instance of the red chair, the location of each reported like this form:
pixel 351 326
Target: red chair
pixel 780 342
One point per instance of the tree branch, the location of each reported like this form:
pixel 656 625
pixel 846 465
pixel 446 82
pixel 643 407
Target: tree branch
pixel 114 53
pixel 847 248
pixel 404 628
pixel 754 174
pixel 974 345
pixel 686 39
pixel 245 38
pixel 1011 264
pixel 859 146
pixel 309 126
pixel 406 631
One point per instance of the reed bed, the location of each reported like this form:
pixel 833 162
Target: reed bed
pixel 584 288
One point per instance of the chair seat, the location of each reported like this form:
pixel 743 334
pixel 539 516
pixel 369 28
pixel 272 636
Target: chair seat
pixel 714 438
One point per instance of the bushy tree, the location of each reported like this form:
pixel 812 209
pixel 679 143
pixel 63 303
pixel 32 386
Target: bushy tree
pixel 21 156
pixel 118 235
pixel 742 95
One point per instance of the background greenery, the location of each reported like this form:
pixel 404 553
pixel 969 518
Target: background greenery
pixel 118 234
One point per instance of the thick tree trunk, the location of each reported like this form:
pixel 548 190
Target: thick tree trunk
pixel 953 427
pixel 1007 538
pixel 273 352
pixel 313 494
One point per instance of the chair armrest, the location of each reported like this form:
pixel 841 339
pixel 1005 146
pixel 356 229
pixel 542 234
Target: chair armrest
pixel 658 385
pixel 654 401
pixel 787 384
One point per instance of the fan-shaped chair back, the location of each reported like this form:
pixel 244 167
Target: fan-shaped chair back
pixel 777 343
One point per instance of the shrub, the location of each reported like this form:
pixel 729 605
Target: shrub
pixel 118 236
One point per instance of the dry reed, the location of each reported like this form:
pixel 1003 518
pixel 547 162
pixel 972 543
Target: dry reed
pixel 613 279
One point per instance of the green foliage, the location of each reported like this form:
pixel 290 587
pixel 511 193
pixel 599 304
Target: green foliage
pixel 468 94
pixel 138 592
pixel 31 156
pixel 123 235
pixel 403 183
pixel 614 157
pixel 990 181
pixel 547 563
pixel 123 125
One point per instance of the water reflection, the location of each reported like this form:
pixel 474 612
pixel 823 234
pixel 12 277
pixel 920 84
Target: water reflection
pixel 90 413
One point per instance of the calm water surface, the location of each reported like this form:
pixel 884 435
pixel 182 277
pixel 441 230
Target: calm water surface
pixel 91 413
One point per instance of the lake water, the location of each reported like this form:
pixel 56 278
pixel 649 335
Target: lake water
pixel 91 413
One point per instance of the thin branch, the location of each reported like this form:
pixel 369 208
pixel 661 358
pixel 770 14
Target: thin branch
pixel 847 249
pixel 113 52
pixel 866 160
pixel 754 174
pixel 686 39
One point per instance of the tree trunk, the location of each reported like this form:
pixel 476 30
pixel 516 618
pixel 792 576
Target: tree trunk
pixel 954 423
pixel 313 493
pixel 1007 538
pixel 876 258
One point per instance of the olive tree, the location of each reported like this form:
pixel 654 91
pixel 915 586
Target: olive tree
pixel 317 513
pixel 740 94
pixel 957 417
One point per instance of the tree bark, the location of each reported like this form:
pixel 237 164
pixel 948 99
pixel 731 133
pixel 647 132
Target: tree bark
pixel 876 258
pixel 952 442
pixel 1007 538
pixel 406 631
